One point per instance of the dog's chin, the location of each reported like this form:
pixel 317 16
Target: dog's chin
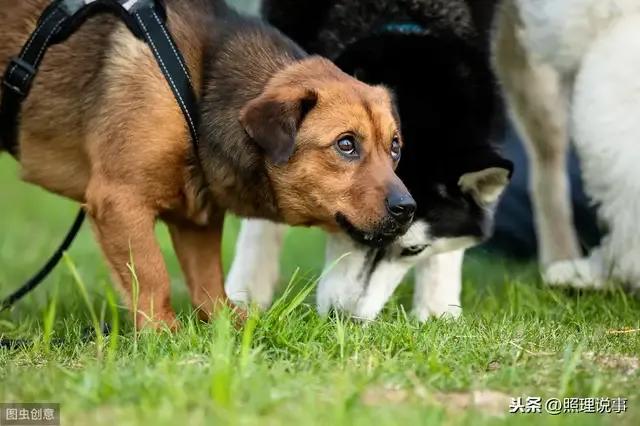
pixel 385 233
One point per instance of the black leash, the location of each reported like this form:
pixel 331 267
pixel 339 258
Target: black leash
pixel 146 19
pixel 48 267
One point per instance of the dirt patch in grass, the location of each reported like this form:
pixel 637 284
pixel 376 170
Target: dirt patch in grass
pixel 627 365
pixel 486 401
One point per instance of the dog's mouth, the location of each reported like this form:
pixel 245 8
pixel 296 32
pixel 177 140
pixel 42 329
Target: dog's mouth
pixel 383 234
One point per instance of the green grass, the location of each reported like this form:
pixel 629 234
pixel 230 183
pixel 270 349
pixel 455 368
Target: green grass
pixel 290 366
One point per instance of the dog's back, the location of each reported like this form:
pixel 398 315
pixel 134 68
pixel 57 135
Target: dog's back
pixel 329 25
pixel 75 77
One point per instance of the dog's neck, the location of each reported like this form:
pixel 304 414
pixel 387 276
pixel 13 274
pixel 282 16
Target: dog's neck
pixel 240 59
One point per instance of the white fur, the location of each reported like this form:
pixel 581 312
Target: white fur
pixel 438 286
pixel 594 48
pixel 345 286
pixel 606 127
pixel 341 284
pixel 255 270
pixel 438 276
pixel 578 273
pixel 560 32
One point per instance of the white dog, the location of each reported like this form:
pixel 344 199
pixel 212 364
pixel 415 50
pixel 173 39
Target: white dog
pixel 569 69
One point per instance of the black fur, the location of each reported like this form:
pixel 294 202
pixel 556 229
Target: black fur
pixel 446 92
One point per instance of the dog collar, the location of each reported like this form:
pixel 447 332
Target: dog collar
pixel 408 28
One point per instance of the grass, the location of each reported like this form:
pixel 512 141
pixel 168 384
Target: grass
pixel 290 366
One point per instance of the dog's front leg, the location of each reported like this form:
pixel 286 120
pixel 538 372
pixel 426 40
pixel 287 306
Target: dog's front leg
pixel 438 286
pixel 384 280
pixel 255 271
pixel 199 251
pixel 124 226
pixel 355 281
pixel 537 98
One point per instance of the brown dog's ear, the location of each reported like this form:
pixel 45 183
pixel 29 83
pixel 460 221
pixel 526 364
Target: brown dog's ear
pixel 273 118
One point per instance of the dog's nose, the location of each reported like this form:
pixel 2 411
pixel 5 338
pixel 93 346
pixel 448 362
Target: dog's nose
pixel 401 206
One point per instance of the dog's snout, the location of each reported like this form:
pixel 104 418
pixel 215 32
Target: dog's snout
pixel 401 206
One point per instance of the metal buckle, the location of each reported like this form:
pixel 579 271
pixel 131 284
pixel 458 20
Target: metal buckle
pixel 19 82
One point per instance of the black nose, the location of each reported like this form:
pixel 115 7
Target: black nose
pixel 401 206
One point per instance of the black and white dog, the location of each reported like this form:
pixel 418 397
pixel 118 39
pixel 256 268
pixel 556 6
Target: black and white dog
pixel 434 55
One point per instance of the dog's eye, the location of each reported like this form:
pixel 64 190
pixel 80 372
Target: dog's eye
pixel 396 149
pixel 347 146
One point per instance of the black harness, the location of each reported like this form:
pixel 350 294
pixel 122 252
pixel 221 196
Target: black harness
pixel 146 19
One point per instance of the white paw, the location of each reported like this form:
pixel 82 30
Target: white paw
pixel 252 284
pixel 439 310
pixel 576 273
pixel 366 313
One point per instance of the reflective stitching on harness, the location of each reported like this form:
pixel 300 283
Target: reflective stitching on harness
pixel 29 43
pixel 182 65
pixel 46 43
pixel 173 85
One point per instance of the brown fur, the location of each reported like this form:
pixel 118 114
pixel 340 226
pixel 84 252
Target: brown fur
pixel 102 127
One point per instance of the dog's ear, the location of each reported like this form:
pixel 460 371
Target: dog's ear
pixel 486 183
pixel 272 120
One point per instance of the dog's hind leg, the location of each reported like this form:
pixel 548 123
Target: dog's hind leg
pixel 438 286
pixel 537 102
pixel 606 125
pixel 255 271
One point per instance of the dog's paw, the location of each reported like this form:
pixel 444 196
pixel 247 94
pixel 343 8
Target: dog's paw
pixel 440 310
pixel 237 292
pixel 577 273
pixel 248 284
pixel 365 313
pixel 261 295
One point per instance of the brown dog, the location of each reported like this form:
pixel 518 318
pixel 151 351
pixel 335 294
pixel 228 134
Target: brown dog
pixel 283 136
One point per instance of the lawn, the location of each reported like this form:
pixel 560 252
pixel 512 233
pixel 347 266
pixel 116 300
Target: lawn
pixel 291 366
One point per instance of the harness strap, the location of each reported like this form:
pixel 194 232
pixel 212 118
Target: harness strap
pixel 146 20
pixel 20 72
pixel 172 65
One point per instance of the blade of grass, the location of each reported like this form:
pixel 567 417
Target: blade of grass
pixel 49 320
pixel 85 296
pixel 114 334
